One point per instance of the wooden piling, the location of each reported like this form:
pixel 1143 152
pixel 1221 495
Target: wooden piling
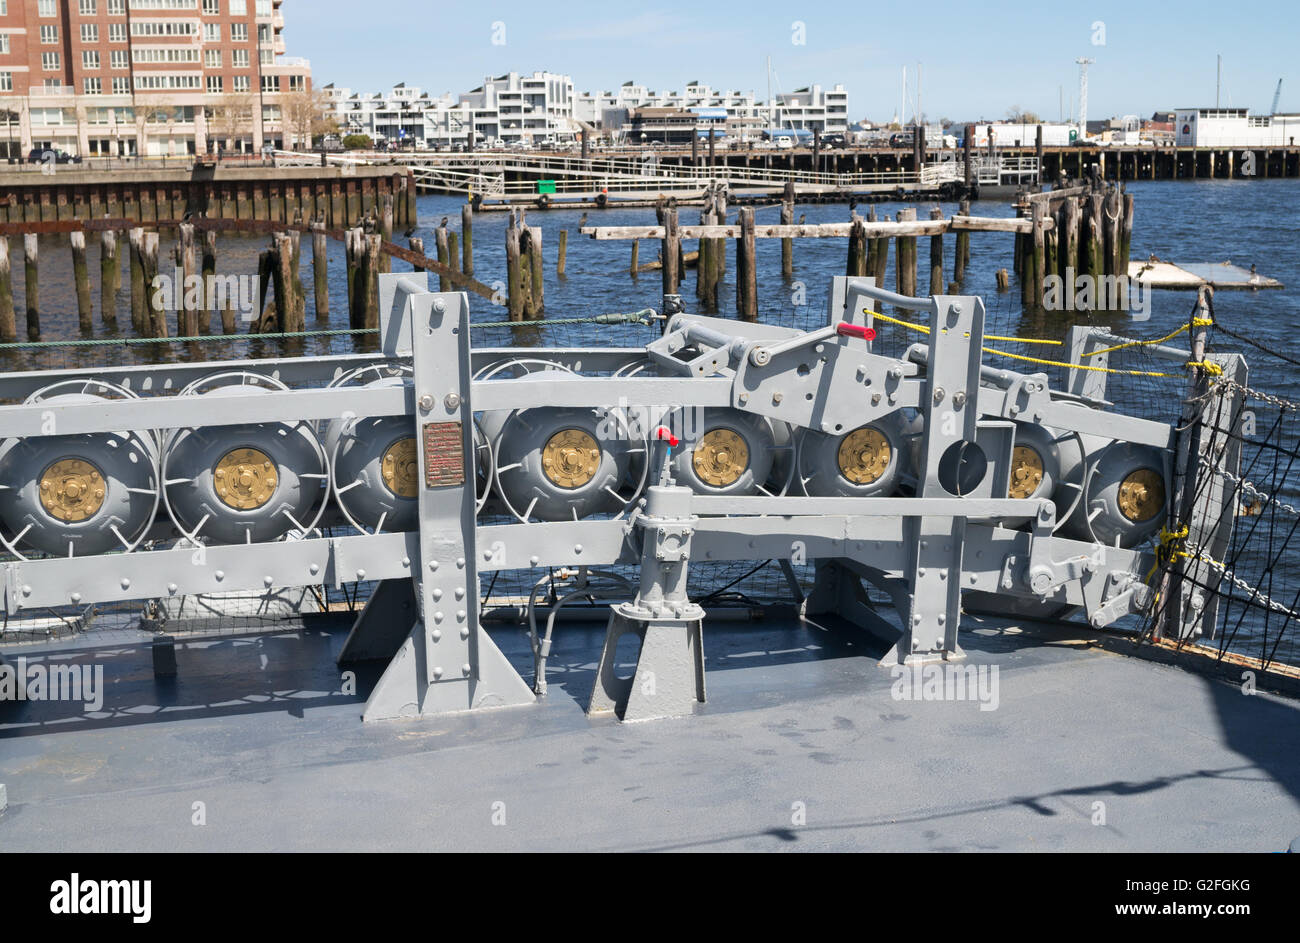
pixel 857 262
pixel 961 252
pixel 564 249
pixel 671 248
pixel 905 247
pixel 417 246
pixel 537 290
pixel 187 314
pixel 936 256
pixel 880 260
pixel 139 318
pixel 706 270
pixel 155 314
pixel 787 219
pixel 746 268
pixel 386 230
pixel 372 250
pixel 355 249
pixel 110 275
pixel 467 238
pixel 320 270
pixel 1068 243
pixel 8 327
pixel 1035 263
pixel 31 266
pixel 441 248
pixel 1003 279
pixel 295 275
pixel 453 250
pixel 81 281
pixel 1126 235
pixel 1110 230
pixel 636 250
pixel 1094 265
pixel 514 280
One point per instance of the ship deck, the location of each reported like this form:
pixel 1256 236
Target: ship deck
pixel 799 717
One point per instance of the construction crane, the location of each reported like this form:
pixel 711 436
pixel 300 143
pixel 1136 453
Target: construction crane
pixel 1276 95
pixel 1083 95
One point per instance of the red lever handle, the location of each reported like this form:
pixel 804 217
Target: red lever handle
pixel 663 433
pixel 845 329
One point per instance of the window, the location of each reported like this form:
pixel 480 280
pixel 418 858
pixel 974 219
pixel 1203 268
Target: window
pixel 47 8
pixel 4 43
pixel 92 86
pixel 87 7
pixel 270 83
pixel 263 7
pixel 212 7
pixel 89 60
pixel 4 7
pixel 6 79
pixel 266 57
pixel 239 32
pixel 297 83
pixel 49 35
pixel 117 32
pixel 239 7
pixel 239 58
pixel 50 61
pixel 163 28
pixel 163 4
pixel 122 86
pixel 270 112
pixel 240 83
pixel 212 32
pixel 214 85
pixel 212 58
pixel 164 54
pixel 117 7
pixel 155 81
pixel 89 32
pixel 117 59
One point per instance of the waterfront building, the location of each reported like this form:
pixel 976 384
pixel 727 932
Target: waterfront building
pixel 101 78
pixel 1234 127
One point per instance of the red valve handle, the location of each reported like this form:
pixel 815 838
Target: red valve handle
pixel 845 329
pixel 663 433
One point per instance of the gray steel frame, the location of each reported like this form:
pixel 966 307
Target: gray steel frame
pixel 923 550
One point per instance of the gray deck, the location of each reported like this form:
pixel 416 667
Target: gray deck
pixel 254 728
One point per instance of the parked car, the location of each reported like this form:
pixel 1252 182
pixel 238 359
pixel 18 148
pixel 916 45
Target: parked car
pixel 41 155
pixel 785 143
pixel 835 140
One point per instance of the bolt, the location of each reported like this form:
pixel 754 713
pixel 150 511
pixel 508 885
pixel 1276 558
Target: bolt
pixel 426 402
pixel 959 399
pixel 776 399
pixel 743 399
pixel 938 396
pixel 452 401
pixel 1014 410
pixel 440 306
pixel 875 399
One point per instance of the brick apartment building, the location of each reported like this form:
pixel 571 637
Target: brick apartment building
pixel 100 78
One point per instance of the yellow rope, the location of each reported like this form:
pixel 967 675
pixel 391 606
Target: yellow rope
pixel 1196 322
pixel 1171 548
pixel 993 337
pixel 1209 367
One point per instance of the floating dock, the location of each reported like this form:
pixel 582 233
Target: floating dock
pixel 1190 276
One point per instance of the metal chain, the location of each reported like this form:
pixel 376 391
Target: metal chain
pixel 1258 394
pixel 1257 595
pixel 1250 490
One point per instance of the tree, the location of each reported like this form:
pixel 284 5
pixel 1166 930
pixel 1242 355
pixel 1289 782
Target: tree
pixel 232 115
pixel 307 116
pixel 1017 115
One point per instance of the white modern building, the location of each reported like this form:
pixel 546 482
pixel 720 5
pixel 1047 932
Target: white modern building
pixel 1234 127
pixel 544 109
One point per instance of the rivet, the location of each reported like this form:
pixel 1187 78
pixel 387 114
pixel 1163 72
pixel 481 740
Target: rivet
pixel 433 566
pixel 437 617
pixel 267 581
pixel 465 669
pixel 361 574
pixel 577 548
pixel 460 592
pixel 534 560
pixel 921 571
pixel 460 563
pixel 76 597
pixel 126 583
pixel 436 635
pixel 437 594
pixel 219 575
pixel 460 615
pixel 464 631
pixel 314 569
pixel 437 672
pixel 406 561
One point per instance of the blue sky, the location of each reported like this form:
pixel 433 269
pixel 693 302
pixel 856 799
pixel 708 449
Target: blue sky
pixel 977 60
